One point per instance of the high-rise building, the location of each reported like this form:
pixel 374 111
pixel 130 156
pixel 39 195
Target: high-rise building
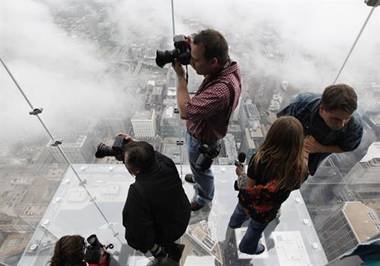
pixel 170 124
pixel 144 124
pixel 367 170
pixel 355 223
pixel 228 155
pixel 201 234
pixel 78 150
pixel 248 145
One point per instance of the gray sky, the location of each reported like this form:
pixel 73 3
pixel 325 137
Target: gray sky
pixel 60 73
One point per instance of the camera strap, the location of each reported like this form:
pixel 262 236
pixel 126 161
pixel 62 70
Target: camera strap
pixel 187 74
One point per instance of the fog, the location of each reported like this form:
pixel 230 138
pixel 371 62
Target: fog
pixel 62 74
pixel 65 74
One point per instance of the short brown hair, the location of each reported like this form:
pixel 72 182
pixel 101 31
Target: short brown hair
pixel 214 43
pixel 339 97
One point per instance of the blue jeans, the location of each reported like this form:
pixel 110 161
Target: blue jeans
pixel 204 179
pixel 249 242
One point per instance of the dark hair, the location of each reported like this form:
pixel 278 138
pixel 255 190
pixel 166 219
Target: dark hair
pixel 214 43
pixel 339 97
pixel 140 155
pixel 69 251
pixel 281 156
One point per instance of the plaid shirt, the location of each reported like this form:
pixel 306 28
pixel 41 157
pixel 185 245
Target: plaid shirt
pixel 209 110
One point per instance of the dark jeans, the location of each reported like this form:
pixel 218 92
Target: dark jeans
pixel 254 231
pixel 204 179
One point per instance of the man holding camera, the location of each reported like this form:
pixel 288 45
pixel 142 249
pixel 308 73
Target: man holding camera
pixel 329 121
pixel 208 112
pixel 157 210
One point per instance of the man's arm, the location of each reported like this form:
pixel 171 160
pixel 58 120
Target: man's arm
pixel 313 146
pixel 182 90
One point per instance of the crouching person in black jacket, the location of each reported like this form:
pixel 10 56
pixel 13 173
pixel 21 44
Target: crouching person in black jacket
pixel 157 210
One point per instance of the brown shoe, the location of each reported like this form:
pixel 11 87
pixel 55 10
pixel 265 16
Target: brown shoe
pixel 195 206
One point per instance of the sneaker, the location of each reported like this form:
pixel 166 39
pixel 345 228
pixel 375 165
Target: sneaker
pixel 189 178
pixel 195 206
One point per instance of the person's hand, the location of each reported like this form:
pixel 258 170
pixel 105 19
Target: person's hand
pixel 311 145
pixel 239 170
pixel 103 256
pixel 178 68
pixel 305 154
pixel 127 137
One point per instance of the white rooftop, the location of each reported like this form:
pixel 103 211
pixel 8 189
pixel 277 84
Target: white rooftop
pixel 143 115
pixel 372 152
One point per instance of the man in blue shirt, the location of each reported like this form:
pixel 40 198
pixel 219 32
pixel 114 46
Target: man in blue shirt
pixel 330 122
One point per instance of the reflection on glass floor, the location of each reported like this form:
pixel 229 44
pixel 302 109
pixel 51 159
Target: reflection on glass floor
pixel 208 241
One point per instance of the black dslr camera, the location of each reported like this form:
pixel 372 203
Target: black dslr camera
pixel 372 2
pixel 206 156
pixel 94 250
pixel 117 150
pixel 181 52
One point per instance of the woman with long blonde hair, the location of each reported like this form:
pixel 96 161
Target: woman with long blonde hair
pixel 278 167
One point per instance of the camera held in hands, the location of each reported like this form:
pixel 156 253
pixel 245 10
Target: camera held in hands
pixel 181 52
pixel 117 149
pixel 206 156
pixel 94 250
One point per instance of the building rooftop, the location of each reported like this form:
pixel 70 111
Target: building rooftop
pixel 143 115
pixel 172 92
pixel 372 153
pixel 364 222
pixel 168 112
pixel 75 142
pixel 157 90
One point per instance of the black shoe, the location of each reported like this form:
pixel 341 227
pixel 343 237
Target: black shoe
pixel 189 178
pixel 259 249
pixel 175 252
pixel 195 206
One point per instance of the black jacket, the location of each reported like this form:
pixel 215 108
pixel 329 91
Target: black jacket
pixel 157 209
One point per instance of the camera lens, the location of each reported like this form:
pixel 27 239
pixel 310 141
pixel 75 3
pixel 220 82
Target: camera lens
pixel 165 57
pixel 103 151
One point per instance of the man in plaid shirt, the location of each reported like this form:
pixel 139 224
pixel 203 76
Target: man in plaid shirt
pixel 208 112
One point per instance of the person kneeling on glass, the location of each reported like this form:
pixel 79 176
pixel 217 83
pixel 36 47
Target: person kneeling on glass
pixel 278 167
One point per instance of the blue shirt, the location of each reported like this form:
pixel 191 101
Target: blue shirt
pixel 306 109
